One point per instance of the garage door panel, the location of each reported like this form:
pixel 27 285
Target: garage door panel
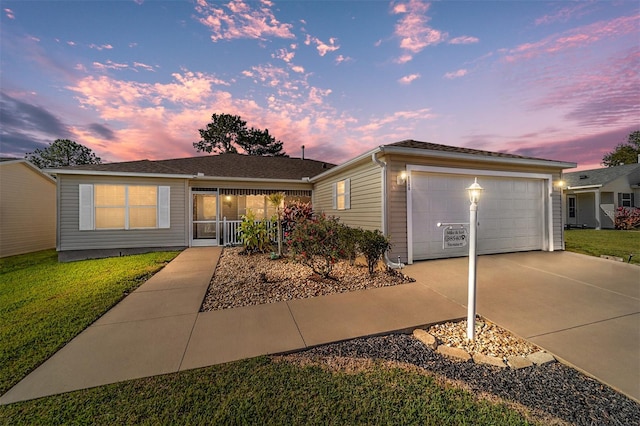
pixel 510 213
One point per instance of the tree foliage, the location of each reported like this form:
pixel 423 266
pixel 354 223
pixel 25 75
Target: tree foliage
pixel 624 153
pixel 62 153
pixel 229 133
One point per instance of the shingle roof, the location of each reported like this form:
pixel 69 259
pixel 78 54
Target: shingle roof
pixel 599 176
pixel 222 165
pixel 455 149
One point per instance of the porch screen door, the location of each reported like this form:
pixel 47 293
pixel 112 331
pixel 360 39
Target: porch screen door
pixel 205 219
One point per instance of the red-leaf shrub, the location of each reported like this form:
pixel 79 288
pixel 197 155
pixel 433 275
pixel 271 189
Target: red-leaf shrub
pixel 627 218
pixel 317 243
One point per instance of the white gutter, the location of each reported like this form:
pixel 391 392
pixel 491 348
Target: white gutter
pixel 383 172
pixel 123 174
pixel 585 187
pixel 474 157
pixel 172 176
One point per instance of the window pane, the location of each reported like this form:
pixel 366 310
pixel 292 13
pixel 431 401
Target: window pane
pixel 109 218
pixel 340 202
pixel 340 187
pixel 142 217
pixel 256 204
pixel 109 195
pixel 143 195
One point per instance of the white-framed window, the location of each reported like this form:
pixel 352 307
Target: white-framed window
pixel 258 204
pixel 626 199
pixel 342 195
pixel 107 206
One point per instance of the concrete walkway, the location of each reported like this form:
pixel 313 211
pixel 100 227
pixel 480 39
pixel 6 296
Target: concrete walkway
pixel 158 328
pixel 584 310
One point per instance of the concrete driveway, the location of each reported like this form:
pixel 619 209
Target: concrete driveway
pixel 584 310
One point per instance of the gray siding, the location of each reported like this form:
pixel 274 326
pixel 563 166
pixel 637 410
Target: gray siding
pixel 366 196
pixel 71 238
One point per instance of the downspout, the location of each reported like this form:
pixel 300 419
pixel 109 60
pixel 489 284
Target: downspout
pixel 383 166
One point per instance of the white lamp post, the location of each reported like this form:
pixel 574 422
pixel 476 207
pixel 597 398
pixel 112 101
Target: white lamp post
pixel 474 195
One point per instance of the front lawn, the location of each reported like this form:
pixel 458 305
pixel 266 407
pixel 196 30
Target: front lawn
pixel 604 241
pixel 44 304
pixel 263 391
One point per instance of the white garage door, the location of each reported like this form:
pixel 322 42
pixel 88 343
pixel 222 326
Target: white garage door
pixel 511 213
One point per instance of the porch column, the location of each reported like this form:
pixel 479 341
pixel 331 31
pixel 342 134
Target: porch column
pixel 598 209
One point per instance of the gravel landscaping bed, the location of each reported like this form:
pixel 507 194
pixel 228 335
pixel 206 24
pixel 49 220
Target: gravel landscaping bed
pixel 241 280
pixel 551 391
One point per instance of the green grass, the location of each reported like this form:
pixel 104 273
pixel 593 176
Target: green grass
pixel 44 304
pixel 261 391
pixel 604 241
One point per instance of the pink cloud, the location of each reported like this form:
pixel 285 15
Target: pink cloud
pixel 464 40
pixel 576 38
pixel 396 119
pixel 600 95
pixel 563 15
pixel 408 79
pixel 9 13
pixel 242 20
pixel 412 28
pixel 456 74
pixel 323 48
pixel 100 46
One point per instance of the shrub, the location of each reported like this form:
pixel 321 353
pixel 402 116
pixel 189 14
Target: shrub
pixel 293 212
pixel 627 218
pixel 373 245
pixel 316 243
pixel 350 241
pixel 255 235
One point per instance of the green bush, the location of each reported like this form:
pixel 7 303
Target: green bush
pixel 317 243
pixel 373 245
pixel 256 235
pixel 350 241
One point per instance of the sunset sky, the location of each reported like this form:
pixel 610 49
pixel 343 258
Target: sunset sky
pixel 137 79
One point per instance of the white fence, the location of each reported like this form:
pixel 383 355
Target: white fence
pixel 230 233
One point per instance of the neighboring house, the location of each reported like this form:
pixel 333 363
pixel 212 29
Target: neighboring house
pixel 27 208
pixel 403 189
pixel 592 196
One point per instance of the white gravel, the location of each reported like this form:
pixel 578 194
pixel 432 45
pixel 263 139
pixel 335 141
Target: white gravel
pixel 241 280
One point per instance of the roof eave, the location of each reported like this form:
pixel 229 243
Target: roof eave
pixel 119 174
pixel 475 157
pixel 250 179
pixel 345 165
pixel 172 176
pixel 595 186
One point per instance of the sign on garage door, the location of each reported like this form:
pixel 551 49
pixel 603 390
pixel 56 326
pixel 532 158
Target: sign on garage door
pixel 511 213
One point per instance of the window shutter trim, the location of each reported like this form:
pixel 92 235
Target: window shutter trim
pixel 85 205
pixel 164 207
pixel 347 194
pixel 335 195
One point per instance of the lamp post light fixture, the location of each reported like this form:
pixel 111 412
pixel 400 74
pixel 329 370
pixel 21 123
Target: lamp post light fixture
pixel 474 195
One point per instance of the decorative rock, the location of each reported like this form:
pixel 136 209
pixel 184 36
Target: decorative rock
pixel 425 338
pixel 518 362
pixel 457 353
pixel 609 257
pixel 541 358
pixel 489 360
